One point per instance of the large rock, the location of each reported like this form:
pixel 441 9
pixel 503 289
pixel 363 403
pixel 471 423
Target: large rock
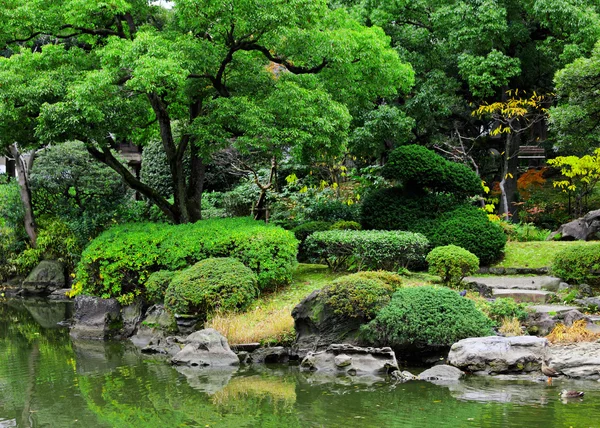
pixel 577 360
pixel 540 323
pixel 585 228
pixel 498 354
pixel 274 354
pixel 317 326
pixel 96 318
pixel 352 360
pixel 46 277
pixel 205 348
pixel 131 315
pixel 156 325
pixel 441 373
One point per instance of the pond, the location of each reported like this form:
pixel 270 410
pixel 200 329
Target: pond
pixel 48 380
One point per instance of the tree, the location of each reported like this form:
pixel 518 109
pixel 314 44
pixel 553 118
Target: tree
pixel 259 74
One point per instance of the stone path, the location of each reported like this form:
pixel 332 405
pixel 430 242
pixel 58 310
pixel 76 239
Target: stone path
pixel 558 309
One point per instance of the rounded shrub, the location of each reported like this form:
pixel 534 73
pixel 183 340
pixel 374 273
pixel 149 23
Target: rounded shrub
pixel 426 316
pixel 223 284
pixel 470 228
pixel 303 231
pixel 452 264
pixel 361 295
pixel 505 307
pixel 346 225
pixel 578 263
pixel 156 285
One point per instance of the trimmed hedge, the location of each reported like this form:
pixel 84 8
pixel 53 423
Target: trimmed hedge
pixel 156 285
pixel 216 284
pixel 122 258
pixel 426 316
pixel 578 263
pixel 452 264
pixel 367 250
pixel 362 294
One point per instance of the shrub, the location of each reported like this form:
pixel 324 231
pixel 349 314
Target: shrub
pixel 578 263
pixel 122 258
pixel 367 250
pixel 346 225
pixel 304 230
pixel 470 228
pixel 156 285
pixel 361 295
pixel 333 210
pixel 215 284
pixel 505 307
pixel 452 263
pixel 426 316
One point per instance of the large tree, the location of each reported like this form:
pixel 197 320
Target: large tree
pixel 282 78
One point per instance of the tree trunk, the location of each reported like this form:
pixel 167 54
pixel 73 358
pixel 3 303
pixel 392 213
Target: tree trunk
pixel 504 210
pixel 24 168
pixel 260 210
pixel 196 184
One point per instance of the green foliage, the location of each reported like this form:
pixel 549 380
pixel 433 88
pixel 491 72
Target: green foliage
pixel 362 294
pixel 155 168
pixel 367 250
pixel 578 263
pixel 452 264
pixel 156 285
pixel 419 168
pixel 304 230
pixel 505 307
pixel 118 261
pixel 470 229
pixel 426 316
pixel 214 284
pixel 523 232
pixel 333 210
pixel 346 225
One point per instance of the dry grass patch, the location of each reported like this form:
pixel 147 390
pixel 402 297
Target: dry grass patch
pixel 578 332
pixel 257 325
pixel 511 326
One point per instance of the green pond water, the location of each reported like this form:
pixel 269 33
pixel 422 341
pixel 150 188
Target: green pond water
pixel 48 380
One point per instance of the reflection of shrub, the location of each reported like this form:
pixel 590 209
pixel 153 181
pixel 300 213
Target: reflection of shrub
pixel 156 285
pixel 452 264
pixel 361 295
pixel 367 250
pixel 578 263
pixel 426 316
pixel 222 284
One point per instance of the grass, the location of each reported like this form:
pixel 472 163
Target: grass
pixel 578 332
pixel 534 254
pixel 511 326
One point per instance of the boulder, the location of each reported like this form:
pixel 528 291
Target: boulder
pixel 131 315
pixel 498 354
pixel 568 318
pixel 60 294
pixel 96 318
pixel 205 348
pixel 402 376
pixel 47 277
pixel 593 303
pixel 441 373
pixel 576 360
pixel 275 354
pixel 156 325
pixel 160 345
pixel 481 288
pixel 540 323
pixel 549 283
pixel 583 229
pixel 352 360
pixel 317 326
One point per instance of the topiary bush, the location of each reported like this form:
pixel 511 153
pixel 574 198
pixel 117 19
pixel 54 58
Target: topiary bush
pixel 578 264
pixel 367 250
pixel 156 285
pixel 452 264
pixel 426 316
pixel 215 284
pixel 117 262
pixel 346 225
pixel 361 295
pixel 470 228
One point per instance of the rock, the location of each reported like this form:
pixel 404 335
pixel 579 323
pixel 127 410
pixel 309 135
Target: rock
pixel 549 283
pixel 442 372
pixel 481 288
pixel 243 356
pixel 568 318
pixel 60 294
pixel 402 376
pixel 498 354
pixel 540 324
pixel 584 290
pixel 187 324
pixel 577 360
pixel 156 325
pixel 275 354
pixel 352 360
pixel 96 318
pixel 583 229
pixel 589 302
pixel 131 316
pixel 563 286
pixel 317 326
pixel 158 345
pixel 206 348
pixel 246 347
pixel 46 277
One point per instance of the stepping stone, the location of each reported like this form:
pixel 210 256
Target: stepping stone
pixel 524 296
pixel 558 309
pixel 521 282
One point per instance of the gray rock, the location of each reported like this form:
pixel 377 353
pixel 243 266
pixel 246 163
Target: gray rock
pixel 317 326
pixel 568 318
pixel 402 376
pixel 351 360
pixel 442 373
pixel 46 277
pixel 563 286
pixel 549 283
pixel 583 229
pixel 577 360
pixel 131 315
pixel 60 294
pixel 187 324
pixel 587 302
pixel 540 323
pixel 157 324
pixel 275 354
pixel 498 354
pixel 206 348
pixel 243 356
pixel 159 345
pixel 585 290
pixel 96 318
pixel 481 288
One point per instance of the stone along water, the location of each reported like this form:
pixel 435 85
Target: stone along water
pixel 47 380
